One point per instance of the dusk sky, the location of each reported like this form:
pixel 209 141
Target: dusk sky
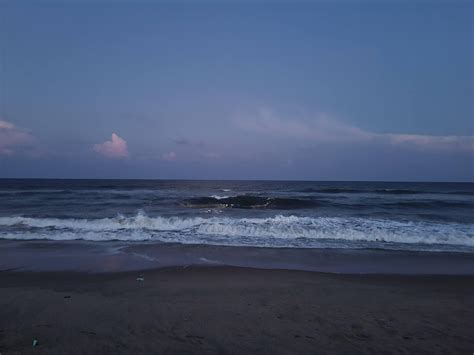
pixel 271 90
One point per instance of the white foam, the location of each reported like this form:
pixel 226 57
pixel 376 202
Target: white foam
pixel 281 231
pixel 219 197
pixel 138 222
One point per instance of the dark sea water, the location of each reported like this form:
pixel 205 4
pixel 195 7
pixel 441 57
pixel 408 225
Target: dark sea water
pixel 273 214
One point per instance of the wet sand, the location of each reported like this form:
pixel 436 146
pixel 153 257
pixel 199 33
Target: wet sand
pixel 83 256
pixel 234 310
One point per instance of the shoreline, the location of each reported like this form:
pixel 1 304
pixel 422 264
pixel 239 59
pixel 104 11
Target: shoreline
pixel 108 257
pixel 209 309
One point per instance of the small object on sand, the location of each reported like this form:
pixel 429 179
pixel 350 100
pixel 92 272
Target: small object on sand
pixel 140 279
pixel 35 342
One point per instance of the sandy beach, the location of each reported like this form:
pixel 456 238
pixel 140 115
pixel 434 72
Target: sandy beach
pixel 236 177
pixel 234 310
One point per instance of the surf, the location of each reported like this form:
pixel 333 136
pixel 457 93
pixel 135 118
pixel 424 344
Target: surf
pixel 277 231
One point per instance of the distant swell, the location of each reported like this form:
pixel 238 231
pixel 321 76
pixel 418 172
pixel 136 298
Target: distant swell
pixel 278 231
pixel 467 193
pixel 380 191
pixel 357 191
pixel 248 201
pixel 361 191
pixel 398 192
pixel 430 204
pixel 329 190
pixel 263 202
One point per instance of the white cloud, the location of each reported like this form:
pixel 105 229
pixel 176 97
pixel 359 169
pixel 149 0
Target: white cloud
pixel 115 148
pixel 324 129
pixel 12 138
pixel 438 142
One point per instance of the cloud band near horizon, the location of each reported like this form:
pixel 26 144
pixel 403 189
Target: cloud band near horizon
pixel 326 130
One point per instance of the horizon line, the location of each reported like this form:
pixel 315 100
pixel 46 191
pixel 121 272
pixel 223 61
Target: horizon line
pixel 250 180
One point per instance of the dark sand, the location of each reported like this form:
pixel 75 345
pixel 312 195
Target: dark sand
pixel 234 310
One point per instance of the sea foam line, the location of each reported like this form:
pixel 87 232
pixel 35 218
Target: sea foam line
pixel 285 230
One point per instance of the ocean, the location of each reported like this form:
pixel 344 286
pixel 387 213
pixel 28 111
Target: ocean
pixel 270 214
pixel 348 227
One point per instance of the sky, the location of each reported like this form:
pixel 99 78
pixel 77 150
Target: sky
pixel 341 90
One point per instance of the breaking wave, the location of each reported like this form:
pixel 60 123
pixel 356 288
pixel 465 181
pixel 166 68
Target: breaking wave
pixel 265 202
pixel 249 201
pixel 278 231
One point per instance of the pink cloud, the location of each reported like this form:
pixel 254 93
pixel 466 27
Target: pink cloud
pixel 169 156
pixel 12 138
pixel 115 148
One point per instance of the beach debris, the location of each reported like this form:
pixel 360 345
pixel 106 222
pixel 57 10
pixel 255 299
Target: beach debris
pixel 140 278
pixel 35 342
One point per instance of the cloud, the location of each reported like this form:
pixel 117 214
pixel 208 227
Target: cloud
pixel 169 156
pixel 12 138
pixel 465 143
pixel 321 128
pixel 6 125
pixel 115 148
pixel 325 129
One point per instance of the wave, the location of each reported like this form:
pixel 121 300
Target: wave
pixel 219 197
pixel 21 193
pixel 330 190
pixel 278 231
pixel 362 191
pixel 249 201
pixel 434 204
pixel 265 202
pixel 68 193
pixel 400 192
pixel 468 193
pixel 380 191
pixel 416 192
